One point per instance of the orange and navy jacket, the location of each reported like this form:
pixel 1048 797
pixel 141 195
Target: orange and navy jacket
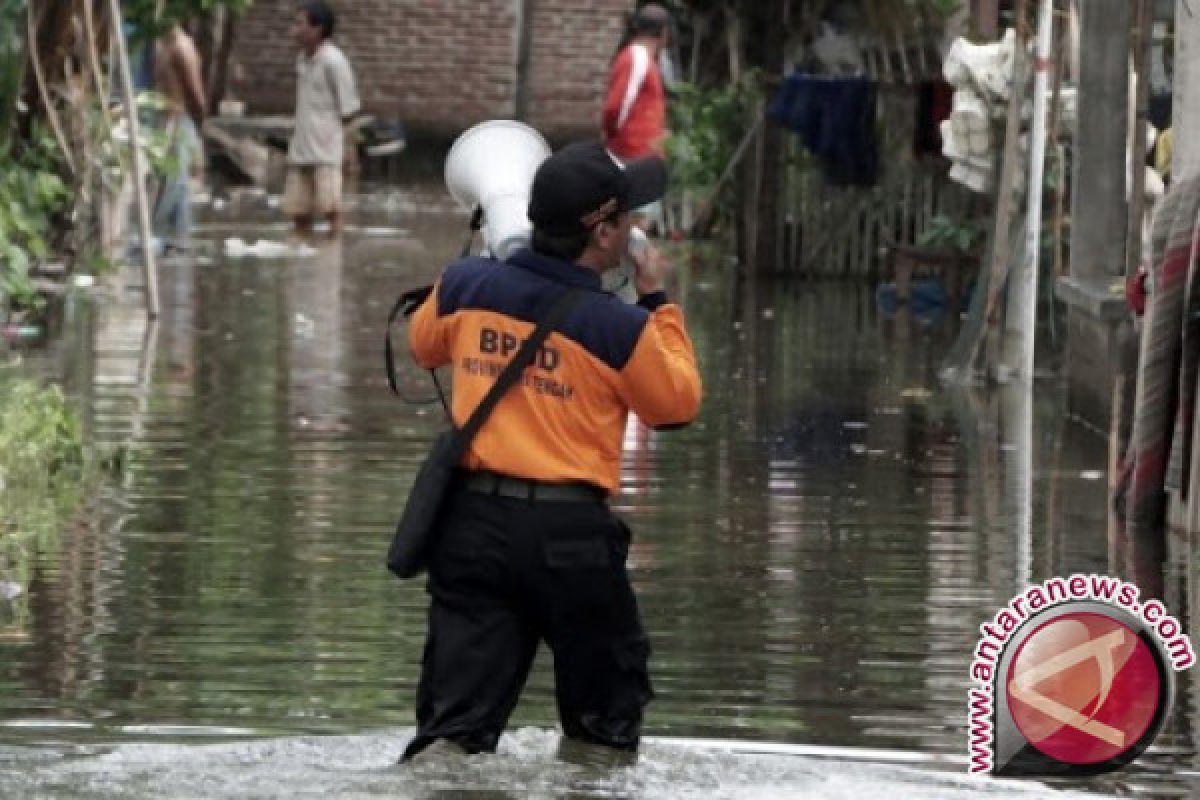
pixel 565 420
pixel 635 108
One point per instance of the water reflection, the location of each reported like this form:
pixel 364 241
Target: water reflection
pixel 814 555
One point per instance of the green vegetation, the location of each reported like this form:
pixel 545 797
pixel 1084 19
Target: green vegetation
pixel 144 13
pixel 706 126
pixel 32 195
pixel 12 58
pixel 947 233
pixel 43 470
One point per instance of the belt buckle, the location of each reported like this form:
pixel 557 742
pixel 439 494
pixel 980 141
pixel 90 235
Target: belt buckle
pixel 512 487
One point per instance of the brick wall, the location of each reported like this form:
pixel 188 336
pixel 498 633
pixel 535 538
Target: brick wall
pixel 442 66
pixel 573 43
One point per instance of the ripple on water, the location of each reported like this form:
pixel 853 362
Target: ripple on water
pixel 527 766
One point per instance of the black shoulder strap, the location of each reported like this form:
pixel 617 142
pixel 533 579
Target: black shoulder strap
pixel 524 357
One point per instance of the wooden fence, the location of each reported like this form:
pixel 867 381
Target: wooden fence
pixel 844 232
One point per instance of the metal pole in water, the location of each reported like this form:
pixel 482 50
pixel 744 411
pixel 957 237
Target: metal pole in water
pixel 139 184
pixel 1023 318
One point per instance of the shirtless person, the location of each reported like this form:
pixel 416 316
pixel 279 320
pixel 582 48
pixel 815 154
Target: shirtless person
pixel 177 77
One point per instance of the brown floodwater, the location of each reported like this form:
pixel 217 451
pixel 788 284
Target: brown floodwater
pixel 813 556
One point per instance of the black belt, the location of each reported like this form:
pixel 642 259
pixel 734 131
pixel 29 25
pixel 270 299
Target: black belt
pixel 484 482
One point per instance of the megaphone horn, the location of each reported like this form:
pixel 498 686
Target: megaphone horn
pixel 491 167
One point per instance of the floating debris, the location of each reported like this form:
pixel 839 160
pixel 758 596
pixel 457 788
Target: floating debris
pixel 237 248
pixel 305 327
pixel 21 331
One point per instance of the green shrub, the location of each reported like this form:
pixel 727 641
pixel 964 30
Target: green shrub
pixel 42 476
pixel 32 196
pixel 707 124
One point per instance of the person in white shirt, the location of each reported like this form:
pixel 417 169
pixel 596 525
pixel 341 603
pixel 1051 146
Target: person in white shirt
pixel 326 98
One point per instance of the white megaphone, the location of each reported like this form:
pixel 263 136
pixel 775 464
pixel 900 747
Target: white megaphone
pixel 491 167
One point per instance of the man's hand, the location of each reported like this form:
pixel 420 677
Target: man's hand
pixel 652 270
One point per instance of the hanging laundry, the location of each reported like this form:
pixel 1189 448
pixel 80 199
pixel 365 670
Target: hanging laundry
pixel 935 102
pixel 835 119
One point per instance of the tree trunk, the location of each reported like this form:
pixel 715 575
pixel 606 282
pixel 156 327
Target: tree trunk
pixel 219 76
pixel 768 245
pixel 204 35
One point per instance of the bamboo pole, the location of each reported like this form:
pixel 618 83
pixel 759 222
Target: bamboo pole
pixel 1005 189
pixel 1060 191
pixel 93 57
pixel 704 212
pixel 139 183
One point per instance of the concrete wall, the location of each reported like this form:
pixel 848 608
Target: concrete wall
pixel 442 66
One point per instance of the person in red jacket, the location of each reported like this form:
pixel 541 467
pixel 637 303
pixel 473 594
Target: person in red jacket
pixel 635 108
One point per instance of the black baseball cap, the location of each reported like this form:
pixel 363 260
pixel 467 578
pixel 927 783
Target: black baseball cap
pixel 582 184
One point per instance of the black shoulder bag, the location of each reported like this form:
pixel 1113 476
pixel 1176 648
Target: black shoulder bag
pixel 408 554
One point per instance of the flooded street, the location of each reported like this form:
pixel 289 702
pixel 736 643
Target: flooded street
pixel 813 557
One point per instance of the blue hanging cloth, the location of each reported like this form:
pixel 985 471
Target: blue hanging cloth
pixel 834 117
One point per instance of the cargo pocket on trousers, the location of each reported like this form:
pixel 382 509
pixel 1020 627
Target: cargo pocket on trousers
pixel 575 553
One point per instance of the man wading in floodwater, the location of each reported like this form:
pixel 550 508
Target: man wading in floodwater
pixel 527 548
pixel 326 99
pixel 177 77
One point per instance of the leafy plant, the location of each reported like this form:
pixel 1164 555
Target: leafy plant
pixel 706 126
pixel 943 9
pixel 148 23
pixel 947 233
pixel 43 469
pixel 12 60
pixel 32 195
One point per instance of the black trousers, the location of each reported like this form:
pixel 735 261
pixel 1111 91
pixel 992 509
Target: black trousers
pixel 506 574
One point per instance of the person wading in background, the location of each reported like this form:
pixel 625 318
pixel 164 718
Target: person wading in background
pixel 177 76
pixel 635 107
pixel 326 98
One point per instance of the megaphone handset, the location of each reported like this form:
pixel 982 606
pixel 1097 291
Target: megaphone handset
pixel 650 266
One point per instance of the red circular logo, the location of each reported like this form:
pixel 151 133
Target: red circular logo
pixel 1083 688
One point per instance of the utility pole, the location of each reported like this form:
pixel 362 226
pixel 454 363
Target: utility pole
pixel 526 11
pixel 1021 321
pixel 1098 319
pixel 139 170
pixel 1186 106
pixel 1099 212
